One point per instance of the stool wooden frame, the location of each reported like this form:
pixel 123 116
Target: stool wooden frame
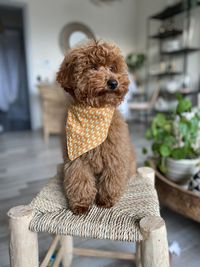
pixel 151 252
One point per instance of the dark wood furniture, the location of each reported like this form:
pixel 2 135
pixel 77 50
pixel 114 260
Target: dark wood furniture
pixel 176 197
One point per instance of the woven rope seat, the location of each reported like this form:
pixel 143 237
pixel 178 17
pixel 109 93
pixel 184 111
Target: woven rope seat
pixel 121 222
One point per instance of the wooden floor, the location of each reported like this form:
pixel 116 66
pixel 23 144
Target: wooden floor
pixel 26 163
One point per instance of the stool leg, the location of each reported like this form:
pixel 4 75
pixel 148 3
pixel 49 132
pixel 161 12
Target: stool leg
pixel 154 249
pixel 138 254
pixel 67 248
pixel 23 242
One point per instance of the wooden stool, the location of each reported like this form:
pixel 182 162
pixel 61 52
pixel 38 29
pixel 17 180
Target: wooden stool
pixel 147 230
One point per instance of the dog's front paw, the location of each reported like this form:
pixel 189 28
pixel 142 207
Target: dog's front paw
pixel 105 201
pixel 79 209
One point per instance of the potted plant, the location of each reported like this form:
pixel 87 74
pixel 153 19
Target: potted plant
pixel 176 141
pixel 135 61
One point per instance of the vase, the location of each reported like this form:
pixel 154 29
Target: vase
pixel 180 171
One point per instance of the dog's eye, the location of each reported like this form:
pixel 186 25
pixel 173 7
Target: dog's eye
pixel 94 67
pixel 111 68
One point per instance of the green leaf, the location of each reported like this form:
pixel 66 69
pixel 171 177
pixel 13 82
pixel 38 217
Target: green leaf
pixel 148 134
pixel 183 128
pixel 156 148
pixel 179 153
pixel 190 153
pixel 169 140
pixel 161 134
pixel 164 150
pixel 179 96
pixel 162 169
pixel 144 150
pixel 168 127
pixel 198 115
pixel 154 131
pixel 160 120
pixel 194 124
pixel 184 105
pixel 162 165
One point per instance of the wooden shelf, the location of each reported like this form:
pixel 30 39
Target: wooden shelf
pixel 185 50
pixel 166 111
pixel 192 92
pixel 167 93
pixel 169 12
pixel 166 74
pixel 166 34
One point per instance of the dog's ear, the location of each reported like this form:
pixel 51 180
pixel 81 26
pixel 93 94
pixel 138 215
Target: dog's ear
pixel 65 75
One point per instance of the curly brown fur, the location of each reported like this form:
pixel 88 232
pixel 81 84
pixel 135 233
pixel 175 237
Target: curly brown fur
pixel 101 174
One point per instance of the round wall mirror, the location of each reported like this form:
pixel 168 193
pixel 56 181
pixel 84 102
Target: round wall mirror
pixel 76 37
pixel 72 34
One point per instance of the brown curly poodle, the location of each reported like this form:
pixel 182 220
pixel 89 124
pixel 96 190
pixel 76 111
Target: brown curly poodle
pixel 95 74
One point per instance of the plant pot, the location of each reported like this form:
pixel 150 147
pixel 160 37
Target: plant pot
pixel 180 171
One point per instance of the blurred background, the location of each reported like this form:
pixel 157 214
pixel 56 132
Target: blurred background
pixel 160 41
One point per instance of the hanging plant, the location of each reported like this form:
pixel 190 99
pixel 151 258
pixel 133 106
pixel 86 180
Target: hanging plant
pixel 135 61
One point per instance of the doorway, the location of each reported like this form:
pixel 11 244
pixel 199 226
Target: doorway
pixel 14 98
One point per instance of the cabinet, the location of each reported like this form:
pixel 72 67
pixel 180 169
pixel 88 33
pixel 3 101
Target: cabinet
pixel 54 104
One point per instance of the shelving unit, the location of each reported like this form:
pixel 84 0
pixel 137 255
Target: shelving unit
pixel 185 50
pixel 167 34
pixel 170 95
pixel 166 74
pixel 184 9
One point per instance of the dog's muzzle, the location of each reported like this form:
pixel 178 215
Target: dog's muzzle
pixel 112 84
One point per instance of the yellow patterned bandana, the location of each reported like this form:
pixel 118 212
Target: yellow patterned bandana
pixel 86 128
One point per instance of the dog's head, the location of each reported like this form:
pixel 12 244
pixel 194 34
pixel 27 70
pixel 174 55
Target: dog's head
pixel 95 74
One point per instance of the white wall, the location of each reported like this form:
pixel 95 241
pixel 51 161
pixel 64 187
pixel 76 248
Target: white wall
pixel 144 10
pixel 44 21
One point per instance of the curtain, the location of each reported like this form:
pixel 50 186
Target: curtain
pixel 9 68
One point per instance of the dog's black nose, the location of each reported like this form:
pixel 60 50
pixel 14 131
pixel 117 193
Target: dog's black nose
pixel 112 84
